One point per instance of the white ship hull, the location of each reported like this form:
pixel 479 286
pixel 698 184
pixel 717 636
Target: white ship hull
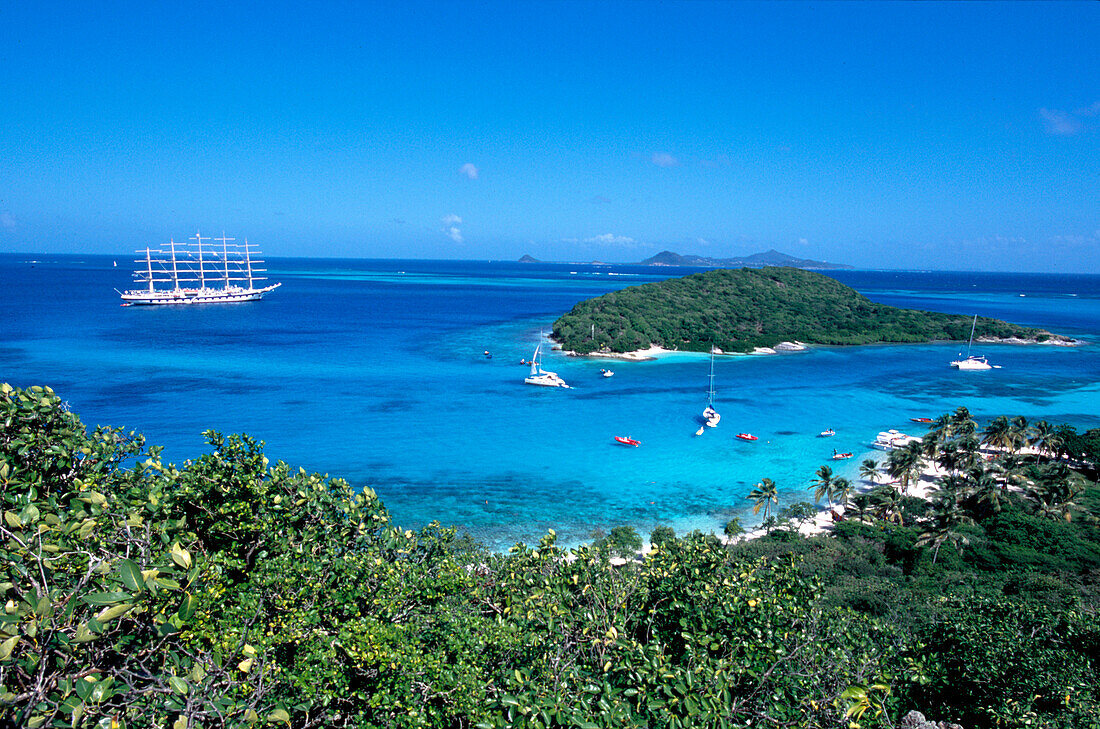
pixel 195 296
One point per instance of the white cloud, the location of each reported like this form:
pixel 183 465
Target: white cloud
pixel 611 239
pixel 664 159
pixel 803 241
pixel 1068 123
pixel 469 170
pixel 450 227
pixel 1058 122
pixel 7 220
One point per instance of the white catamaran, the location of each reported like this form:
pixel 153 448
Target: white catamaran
pixel 710 415
pixel 539 376
pixel 197 274
pixel 972 362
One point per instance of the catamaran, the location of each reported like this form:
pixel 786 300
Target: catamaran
pixel 972 362
pixel 539 376
pixel 710 415
pixel 220 273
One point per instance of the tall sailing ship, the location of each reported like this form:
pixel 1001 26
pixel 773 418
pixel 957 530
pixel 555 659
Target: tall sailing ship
pixel 193 273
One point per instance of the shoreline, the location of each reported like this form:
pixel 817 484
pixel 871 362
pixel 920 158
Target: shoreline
pixel 655 351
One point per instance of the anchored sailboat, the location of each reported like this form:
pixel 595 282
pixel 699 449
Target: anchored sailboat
pixel 220 277
pixel 539 376
pixel 972 362
pixel 710 415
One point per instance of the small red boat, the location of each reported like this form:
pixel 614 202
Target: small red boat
pixel 921 420
pixel 627 441
pixel 747 436
pixel 841 456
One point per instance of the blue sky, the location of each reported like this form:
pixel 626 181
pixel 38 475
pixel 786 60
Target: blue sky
pixel 909 135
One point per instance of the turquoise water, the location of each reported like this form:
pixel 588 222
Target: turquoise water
pixel 373 370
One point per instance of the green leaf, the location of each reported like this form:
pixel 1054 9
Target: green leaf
pixel 279 715
pixel 105 598
pixel 131 575
pixel 12 520
pixel 187 606
pixel 113 612
pixel 178 685
pixel 181 556
pixel 7 647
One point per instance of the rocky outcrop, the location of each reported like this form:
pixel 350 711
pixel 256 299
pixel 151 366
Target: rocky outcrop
pixel 916 720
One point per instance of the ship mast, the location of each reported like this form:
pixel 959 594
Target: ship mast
pixel 248 262
pixel 202 267
pixel 175 271
pixel 225 256
pixel 149 265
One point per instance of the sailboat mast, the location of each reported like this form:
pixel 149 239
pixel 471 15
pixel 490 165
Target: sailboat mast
pixel 971 343
pixel 149 265
pixel 175 271
pixel 710 392
pixel 202 268
pixel 248 262
pixel 225 256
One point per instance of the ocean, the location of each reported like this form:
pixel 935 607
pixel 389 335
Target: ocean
pixel 373 370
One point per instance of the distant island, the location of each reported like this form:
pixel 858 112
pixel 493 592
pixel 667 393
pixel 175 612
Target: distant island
pixel 745 309
pixel 529 259
pixel 756 260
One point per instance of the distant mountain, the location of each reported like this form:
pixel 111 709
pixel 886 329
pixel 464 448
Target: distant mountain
pixel 756 260
pixel 529 259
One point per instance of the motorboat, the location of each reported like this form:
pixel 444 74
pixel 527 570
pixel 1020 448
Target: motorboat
pixel 607 373
pixel 747 436
pixel 889 440
pixel 841 456
pixel 827 433
pixel 921 420
pixel 972 362
pixel 624 440
pixel 539 376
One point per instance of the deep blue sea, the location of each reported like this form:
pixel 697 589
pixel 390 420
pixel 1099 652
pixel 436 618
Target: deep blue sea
pixel 373 370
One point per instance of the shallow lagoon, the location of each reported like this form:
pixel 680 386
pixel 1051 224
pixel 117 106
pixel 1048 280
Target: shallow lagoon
pixel 373 370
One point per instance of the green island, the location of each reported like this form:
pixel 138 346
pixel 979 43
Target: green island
pixel 230 591
pixel 740 310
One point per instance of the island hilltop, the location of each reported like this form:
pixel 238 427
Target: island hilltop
pixel 741 310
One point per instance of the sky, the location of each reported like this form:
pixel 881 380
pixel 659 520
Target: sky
pixel 955 136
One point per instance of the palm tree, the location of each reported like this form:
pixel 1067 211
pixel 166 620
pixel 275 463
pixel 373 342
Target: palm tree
pixel 861 506
pixel 887 503
pixel 869 470
pixel 962 424
pixel 943 426
pixel 842 490
pixel 999 433
pixel 944 528
pixel 903 463
pixel 824 484
pixel 949 457
pixel 930 445
pixel 969 452
pixel 763 496
pixel 1044 437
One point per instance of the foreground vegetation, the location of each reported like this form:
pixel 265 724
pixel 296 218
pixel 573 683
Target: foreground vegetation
pixel 234 592
pixel 738 310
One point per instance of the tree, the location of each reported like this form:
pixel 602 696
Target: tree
pixel 903 463
pixel 824 485
pixel 842 490
pixel 621 541
pixel 999 433
pixel 662 534
pixel 943 529
pixel 763 496
pixel 868 470
pixel 733 528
